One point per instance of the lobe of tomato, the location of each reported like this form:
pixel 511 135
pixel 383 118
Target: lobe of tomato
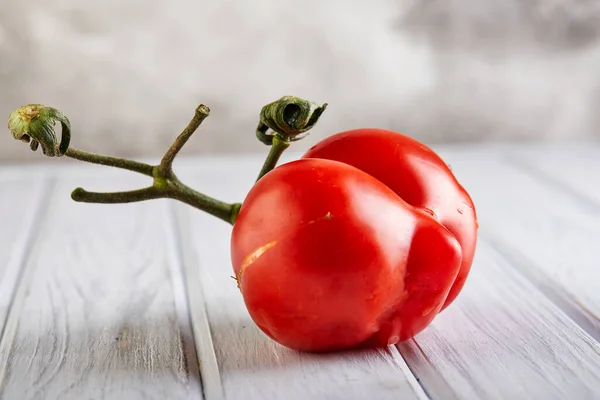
pixel 328 257
pixel 416 174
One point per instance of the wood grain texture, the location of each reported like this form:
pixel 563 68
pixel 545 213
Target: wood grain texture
pixel 548 233
pixel 250 365
pixel 96 316
pixel 21 211
pixel 503 339
pixel 572 168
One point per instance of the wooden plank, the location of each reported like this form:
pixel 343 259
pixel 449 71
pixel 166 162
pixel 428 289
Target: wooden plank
pixel 569 167
pixel 96 315
pixel 21 210
pixel 209 370
pixel 503 339
pixel 549 234
pixel 250 365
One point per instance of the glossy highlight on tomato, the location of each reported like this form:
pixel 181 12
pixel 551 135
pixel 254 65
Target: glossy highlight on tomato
pixel 362 242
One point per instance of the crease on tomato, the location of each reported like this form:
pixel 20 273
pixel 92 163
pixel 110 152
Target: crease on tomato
pixel 251 258
pixel 261 250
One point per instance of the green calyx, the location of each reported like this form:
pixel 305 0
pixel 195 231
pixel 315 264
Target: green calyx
pixel 289 117
pixel 34 124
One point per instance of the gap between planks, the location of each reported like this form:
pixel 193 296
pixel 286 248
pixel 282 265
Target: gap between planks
pixel 13 275
pixel 191 288
pixel 180 295
pixel 22 276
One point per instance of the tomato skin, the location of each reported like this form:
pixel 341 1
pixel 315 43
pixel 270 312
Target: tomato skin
pixel 328 257
pixel 416 174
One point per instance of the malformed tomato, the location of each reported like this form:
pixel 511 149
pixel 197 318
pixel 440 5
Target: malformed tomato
pixel 353 245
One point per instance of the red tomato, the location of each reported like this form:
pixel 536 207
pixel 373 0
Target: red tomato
pixel 328 256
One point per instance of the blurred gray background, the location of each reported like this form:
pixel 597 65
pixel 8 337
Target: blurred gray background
pixel 128 74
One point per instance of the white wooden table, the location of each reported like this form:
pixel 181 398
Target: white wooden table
pixel 137 301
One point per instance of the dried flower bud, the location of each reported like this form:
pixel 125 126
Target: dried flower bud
pixel 290 117
pixel 34 124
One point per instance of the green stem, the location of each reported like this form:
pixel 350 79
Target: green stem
pixel 92 158
pixel 278 146
pixel 166 165
pixel 225 211
pixel 83 196
pixel 172 189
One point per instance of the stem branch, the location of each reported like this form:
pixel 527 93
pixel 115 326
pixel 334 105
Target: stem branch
pixel 225 211
pixel 92 158
pixel 147 193
pixel 278 146
pixel 166 165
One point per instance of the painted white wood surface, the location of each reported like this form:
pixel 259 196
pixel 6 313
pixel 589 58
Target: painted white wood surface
pixel 96 315
pixel 547 233
pixel 250 365
pixel 21 210
pixel 137 301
